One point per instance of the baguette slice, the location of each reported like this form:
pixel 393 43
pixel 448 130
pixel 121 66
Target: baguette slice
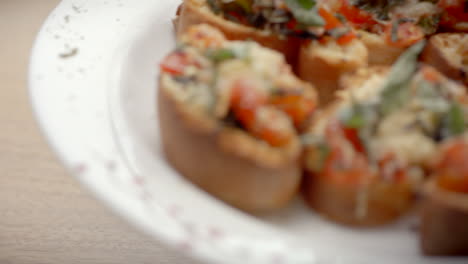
pixel 210 91
pixel 324 64
pixel 444 229
pixel 226 163
pixel 194 12
pixel 366 201
pixel 380 53
pixel 448 53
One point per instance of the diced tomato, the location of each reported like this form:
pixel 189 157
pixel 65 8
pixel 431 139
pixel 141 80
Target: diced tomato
pixel 346 38
pixel 269 131
pixel 356 16
pixel 455 11
pixel 405 35
pixel 352 135
pixel 452 169
pixel 352 171
pixel 175 63
pixel 390 168
pixel 331 22
pixel 298 107
pixel 292 24
pixel 245 100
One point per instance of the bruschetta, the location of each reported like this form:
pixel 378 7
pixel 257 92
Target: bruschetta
pixel 454 16
pixel 388 28
pixel 444 229
pixel 230 112
pixel 448 53
pixel 362 166
pixel 270 23
pixel 323 61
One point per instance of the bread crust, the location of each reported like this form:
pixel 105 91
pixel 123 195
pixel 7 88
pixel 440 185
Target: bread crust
pixel 324 64
pixel 370 204
pixel 444 218
pixel 380 53
pixel 227 163
pixel 194 12
pixel 384 202
pixel 437 54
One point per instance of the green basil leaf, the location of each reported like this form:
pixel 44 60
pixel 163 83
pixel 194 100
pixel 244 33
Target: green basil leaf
pixel 356 118
pixel 456 120
pixel 220 55
pixel 395 91
pixel 305 12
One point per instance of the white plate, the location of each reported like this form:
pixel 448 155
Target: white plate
pixel 92 83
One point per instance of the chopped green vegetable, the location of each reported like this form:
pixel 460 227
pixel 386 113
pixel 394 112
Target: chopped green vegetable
pixel 429 24
pixel 220 55
pixel 356 118
pixel 455 120
pixel 305 12
pixel 380 8
pixel 395 91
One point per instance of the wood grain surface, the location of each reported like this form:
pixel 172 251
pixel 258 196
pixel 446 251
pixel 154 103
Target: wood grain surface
pixel 45 216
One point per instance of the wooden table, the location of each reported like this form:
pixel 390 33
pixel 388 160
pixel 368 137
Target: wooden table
pixel 45 216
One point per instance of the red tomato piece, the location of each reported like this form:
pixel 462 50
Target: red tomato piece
pixel 356 16
pixel 452 169
pixel 175 63
pixel 406 34
pixel 295 106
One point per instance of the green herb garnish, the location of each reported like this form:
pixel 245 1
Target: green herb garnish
pixel 380 8
pixel 429 24
pixel 305 12
pixel 455 120
pixel 220 55
pixel 395 91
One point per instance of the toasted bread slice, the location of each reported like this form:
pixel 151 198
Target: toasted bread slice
pixel 324 64
pixel 448 53
pixel 228 119
pixel 380 53
pixel 444 218
pixel 194 12
pixel 362 168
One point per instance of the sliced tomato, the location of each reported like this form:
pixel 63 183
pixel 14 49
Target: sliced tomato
pixel 296 106
pixel 356 16
pixel 452 169
pixel 404 36
pixel 175 63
